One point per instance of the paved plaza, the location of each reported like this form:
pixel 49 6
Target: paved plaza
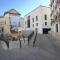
pixel 44 49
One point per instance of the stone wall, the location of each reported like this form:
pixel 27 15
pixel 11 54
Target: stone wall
pixel 55 37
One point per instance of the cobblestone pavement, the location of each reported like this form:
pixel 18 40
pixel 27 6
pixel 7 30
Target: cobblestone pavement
pixel 44 49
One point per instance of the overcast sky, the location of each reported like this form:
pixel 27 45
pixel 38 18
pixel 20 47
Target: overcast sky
pixel 22 6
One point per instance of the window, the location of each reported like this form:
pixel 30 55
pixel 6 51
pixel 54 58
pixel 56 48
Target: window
pixel 28 17
pixel 33 19
pixel 56 27
pixel 5 22
pixel 45 23
pixel 45 17
pixel 36 18
pixel 33 25
pixel 55 7
pixel 56 17
pixel 36 24
pixel 25 22
pixel 53 1
pixel 14 21
pixel 28 21
pixel 59 9
pixel 2 29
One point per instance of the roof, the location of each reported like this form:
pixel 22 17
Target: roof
pixel 12 11
pixel 37 8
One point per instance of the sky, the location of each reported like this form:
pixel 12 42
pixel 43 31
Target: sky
pixel 22 6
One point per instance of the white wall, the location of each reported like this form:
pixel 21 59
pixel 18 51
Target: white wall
pixel 48 12
pixel 40 12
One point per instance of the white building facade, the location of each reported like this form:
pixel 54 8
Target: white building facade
pixel 55 15
pixel 38 19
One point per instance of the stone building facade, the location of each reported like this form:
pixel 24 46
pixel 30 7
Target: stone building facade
pixel 9 23
pixel 55 15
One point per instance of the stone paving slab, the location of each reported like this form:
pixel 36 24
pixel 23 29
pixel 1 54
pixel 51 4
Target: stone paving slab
pixel 26 54
pixel 43 50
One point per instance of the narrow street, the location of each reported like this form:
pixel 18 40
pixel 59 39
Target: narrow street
pixel 44 49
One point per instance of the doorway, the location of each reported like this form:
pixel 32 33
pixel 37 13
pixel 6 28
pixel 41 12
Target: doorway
pixel 45 30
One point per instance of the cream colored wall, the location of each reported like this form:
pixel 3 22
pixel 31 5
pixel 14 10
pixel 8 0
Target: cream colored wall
pixel 7 24
pixel 2 22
